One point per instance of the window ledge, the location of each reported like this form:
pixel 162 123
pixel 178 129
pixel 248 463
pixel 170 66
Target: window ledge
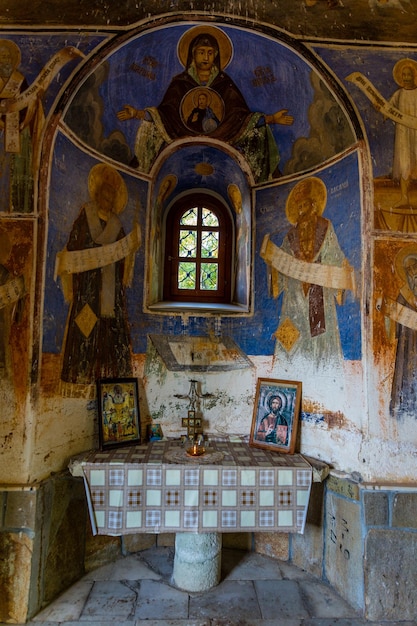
pixel 199 308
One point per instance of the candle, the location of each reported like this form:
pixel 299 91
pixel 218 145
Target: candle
pixel 195 449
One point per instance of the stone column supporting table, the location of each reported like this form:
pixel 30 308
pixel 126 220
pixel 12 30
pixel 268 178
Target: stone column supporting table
pixel 197 561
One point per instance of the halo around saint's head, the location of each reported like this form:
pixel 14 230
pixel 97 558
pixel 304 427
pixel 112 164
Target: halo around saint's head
pixel 276 394
pixel 313 188
pixel 166 187
pixel 102 173
pixel 224 43
pixel 399 67
pixel 401 256
pixel 13 50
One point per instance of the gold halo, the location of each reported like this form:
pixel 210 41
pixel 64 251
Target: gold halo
pixel 276 394
pixel 188 103
pixel 398 70
pixel 317 192
pixel 13 49
pixel 170 181
pixel 225 45
pixel 201 90
pixel 235 196
pixel 102 173
pixel 400 257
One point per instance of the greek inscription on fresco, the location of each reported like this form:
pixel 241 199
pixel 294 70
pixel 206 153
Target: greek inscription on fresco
pixel 336 189
pixel 264 76
pixel 146 68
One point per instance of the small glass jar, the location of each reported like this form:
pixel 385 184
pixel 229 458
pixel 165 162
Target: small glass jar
pixel 194 445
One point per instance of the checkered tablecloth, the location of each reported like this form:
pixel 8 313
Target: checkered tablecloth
pixel 137 490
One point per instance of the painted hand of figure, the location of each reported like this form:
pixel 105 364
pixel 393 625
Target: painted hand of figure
pixel 129 113
pixel 280 117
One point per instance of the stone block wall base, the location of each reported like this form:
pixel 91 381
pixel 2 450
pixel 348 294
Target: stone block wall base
pixel 100 550
pixel 165 540
pixel 238 541
pixel 197 561
pixel 137 542
pixel 370 546
pixel 391 575
pixel 15 568
pixel 275 545
pixel 42 544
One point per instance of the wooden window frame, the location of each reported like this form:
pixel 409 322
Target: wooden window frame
pixel 224 260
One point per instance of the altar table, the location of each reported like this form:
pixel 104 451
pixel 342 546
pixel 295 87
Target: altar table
pixel 232 488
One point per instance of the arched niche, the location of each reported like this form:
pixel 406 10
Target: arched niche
pixel 195 168
pixel 273 73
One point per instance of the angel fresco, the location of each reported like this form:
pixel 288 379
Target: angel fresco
pixel 95 268
pixel 397 210
pixel 405 147
pixel 17 156
pixel 204 52
pixel 21 123
pixel 312 272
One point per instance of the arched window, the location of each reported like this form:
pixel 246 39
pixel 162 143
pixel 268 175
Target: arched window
pixel 198 251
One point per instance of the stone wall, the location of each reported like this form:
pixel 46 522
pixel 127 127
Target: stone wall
pixel 362 539
pixel 42 543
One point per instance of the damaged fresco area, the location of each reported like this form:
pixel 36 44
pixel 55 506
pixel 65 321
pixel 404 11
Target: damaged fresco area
pixel 395 332
pixel 16 267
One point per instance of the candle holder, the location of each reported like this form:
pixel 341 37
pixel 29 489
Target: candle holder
pixel 194 446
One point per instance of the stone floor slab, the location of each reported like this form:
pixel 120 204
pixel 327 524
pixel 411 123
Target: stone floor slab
pixel 291 572
pixel 157 600
pixel 133 568
pixel 280 598
pixel 173 622
pixel 47 623
pixel 323 601
pixel 335 621
pixel 100 622
pixel 240 565
pixel 160 560
pixel 105 572
pixel 290 598
pixel 68 606
pixel 257 622
pixel 111 600
pixel 229 600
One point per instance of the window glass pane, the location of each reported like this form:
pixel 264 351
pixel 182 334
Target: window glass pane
pixel 209 245
pixel 209 218
pixel 187 243
pixel 189 218
pixel 208 276
pixel 186 275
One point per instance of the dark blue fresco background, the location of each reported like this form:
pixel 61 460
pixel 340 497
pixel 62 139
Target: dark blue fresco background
pixel 292 90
